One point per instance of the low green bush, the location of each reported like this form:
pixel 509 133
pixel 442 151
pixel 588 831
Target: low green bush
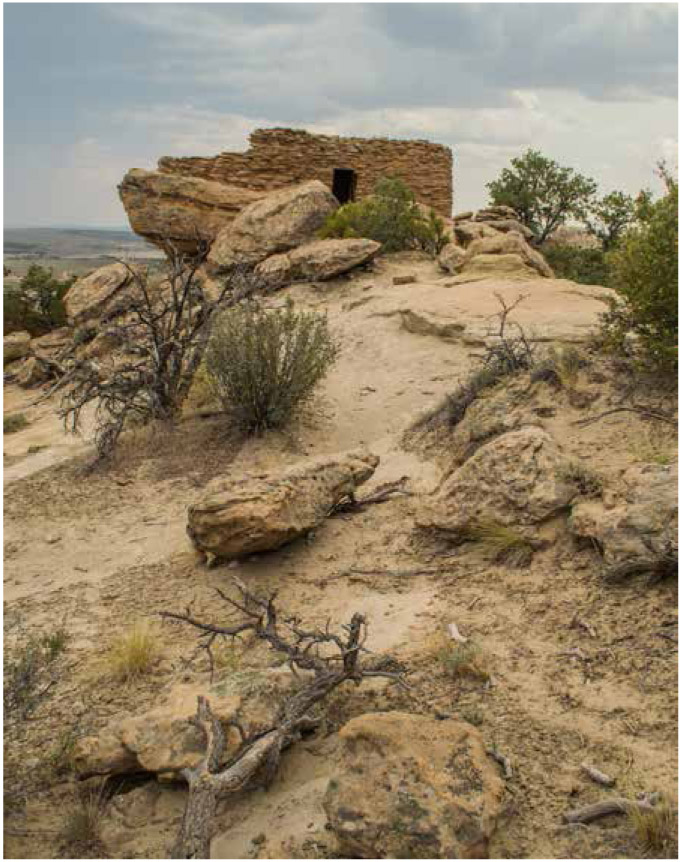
pixel 390 216
pixel 36 303
pixel 584 265
pixel 264 365
pixel 14 422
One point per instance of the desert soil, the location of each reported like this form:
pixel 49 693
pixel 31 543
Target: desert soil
pixel 96 552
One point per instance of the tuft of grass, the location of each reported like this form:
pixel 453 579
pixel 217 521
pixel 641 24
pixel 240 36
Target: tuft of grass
pixel 61 756
pixel 472 715
pixel 14 422
pixel 459 660
pixel 133 653
pixel 656 830
pixel 559 367
pixel 29 672
pixel 504 543
pixel 587 482
pixel 82 827
pixel 654 446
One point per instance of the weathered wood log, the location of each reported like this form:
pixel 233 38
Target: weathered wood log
pixel 597 776
pixel 617 805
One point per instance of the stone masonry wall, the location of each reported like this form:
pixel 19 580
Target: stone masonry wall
pixel 281 157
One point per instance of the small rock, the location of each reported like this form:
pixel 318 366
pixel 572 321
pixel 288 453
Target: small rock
pixel 404 279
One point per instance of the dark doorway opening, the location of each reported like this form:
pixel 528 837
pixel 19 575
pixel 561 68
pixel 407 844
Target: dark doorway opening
pixel 343 187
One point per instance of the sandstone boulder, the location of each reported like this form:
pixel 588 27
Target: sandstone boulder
pixel 262 512
pixel 451 258
pixel 33 371
pixel 468 231
pixel 515 479
pixel 162 740
pixel 508 244
pixel 319 260
pixel 503 267
pixel 164 207
pixel 53 341
pixel 280 221
pixel 99 295
pixel 16 345
pixel 636 520
pixel 412 787
pixel 329 258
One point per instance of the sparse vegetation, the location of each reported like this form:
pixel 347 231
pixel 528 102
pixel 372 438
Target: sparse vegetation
pixel 656 829
pixel 61 756
pixel 587 482
pixel 36 303
pixel 132 653
pixel 14 422
pixel 559 366
pixel 390 216
pixel 29 671
pixel 81 830
pixel 505 544
pixel 653 445
pixel 644 271
pixel 459 660
pixel 265 365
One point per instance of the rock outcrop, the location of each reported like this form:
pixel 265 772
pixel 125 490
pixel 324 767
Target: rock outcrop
pixel 166 207
pixel 451 258
pixel 15 346
pixel 162 740
pixel 262 512
pixel 515 479
pixel 508 244
pixel 636 521
pixel 412 787
pixel 317 261
pixel 98 296
pixel 277 223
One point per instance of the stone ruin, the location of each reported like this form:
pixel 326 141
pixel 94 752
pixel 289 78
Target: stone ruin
pixel 187 197
pixel 350 167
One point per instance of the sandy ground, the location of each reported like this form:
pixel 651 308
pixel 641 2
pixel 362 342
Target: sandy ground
pixel 100 551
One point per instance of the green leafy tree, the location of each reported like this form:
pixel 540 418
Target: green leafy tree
pixel 390 216
pixel 644 271
pixel 543 193
pixel 36 303
pixel 610 217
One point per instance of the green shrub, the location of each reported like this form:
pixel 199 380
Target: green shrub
pixel 584 265
pixel 14 422
pixel 644 272
pixel 36 303
pixel 390 216
pixel 263 365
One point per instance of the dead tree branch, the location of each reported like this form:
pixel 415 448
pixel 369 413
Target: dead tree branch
pixel 330 658
pixel 161 333
pixel 617 805
pixel 641 411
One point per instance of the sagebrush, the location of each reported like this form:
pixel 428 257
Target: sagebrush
pixel 264 365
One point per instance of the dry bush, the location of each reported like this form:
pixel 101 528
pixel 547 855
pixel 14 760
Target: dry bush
pixel 656 830
pixel 82 825
pixel 265 365
pixel 29 671
pixel 14 422
pixel 587 482
pixel 505 544
pixel 559 367
pixel 654 445
pixel 659 564
pixel 133 653
pixel 459 660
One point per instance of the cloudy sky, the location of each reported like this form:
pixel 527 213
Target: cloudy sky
pixel 91 90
